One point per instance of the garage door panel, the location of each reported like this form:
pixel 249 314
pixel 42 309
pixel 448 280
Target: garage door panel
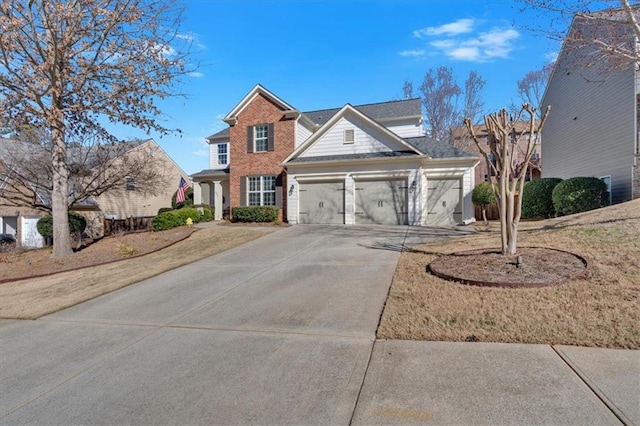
pixel 322 202
pixel 444 202
pixel 381 202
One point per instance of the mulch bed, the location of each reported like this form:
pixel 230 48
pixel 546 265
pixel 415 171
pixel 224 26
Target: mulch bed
pixel 538 267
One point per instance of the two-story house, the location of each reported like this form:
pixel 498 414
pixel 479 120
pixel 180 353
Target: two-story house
pixel 595 109
pixel 355 164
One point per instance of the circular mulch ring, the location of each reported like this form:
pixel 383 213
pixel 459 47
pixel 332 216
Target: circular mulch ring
pixel 539 267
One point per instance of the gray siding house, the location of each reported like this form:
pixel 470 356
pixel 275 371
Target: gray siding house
pixel 593 126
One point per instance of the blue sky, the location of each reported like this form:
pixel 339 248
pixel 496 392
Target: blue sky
pixel 324 54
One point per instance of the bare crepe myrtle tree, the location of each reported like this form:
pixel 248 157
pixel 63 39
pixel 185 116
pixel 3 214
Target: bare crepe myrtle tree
pixel 71 66
pixel 508 173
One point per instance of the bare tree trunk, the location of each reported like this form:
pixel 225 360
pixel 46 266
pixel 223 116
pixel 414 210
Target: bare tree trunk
pixel 484 214
pixel 60 197
pixel 511 226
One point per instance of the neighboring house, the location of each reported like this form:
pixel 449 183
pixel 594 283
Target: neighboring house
pixel 461 138
pixel 595 118
pixel 22 203
pixel 355 164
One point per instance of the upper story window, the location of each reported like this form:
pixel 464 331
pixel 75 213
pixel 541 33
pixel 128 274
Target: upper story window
pixel 222 154
pixel 130 184
pixel 260 138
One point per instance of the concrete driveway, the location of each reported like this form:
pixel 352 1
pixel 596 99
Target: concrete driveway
pixel 279 330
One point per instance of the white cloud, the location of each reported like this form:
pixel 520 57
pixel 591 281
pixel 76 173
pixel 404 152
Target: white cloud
pixel 196 74
pixel 454 41
pixel 471 54
pixel 461 26
pixel 416 53
pixel 494 44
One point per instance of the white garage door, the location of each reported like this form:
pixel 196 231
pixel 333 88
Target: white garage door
pixel 444 202
pixel 381 202
pixel 321 202
pixel 30 235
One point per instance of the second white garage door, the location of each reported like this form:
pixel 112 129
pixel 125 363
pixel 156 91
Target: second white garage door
pixel 381 202
pixel 444 202
pixel 321 202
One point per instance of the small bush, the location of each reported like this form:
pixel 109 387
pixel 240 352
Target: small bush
pixel 174 218
pixel 483 194
pixel 164 209
pixel 579 194
pixel 77 225
pixel 207 212
pixel 126 250
pixel 255 214
pixel 537 198
pixel 166 220
pixel 188 212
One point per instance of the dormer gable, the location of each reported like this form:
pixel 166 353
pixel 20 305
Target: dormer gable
pixel 349 132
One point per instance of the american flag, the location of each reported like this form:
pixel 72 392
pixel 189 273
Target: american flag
pixel 181 196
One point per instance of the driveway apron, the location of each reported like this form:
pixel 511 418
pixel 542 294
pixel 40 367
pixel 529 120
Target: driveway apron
pixel 278 330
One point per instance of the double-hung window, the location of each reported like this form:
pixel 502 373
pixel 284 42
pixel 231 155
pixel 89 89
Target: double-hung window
pixel 261 190
pixel 261 138
pixel 222 154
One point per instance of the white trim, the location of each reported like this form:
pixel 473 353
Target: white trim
pixel 232 117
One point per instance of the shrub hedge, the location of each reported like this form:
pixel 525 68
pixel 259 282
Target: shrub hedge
pixel 255 214
pixel 174 218
pixel 579 194
pixel 537 198
pixel 77 224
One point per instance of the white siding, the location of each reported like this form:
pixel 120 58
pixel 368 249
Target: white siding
pixel 367 139
pixel 213 156
pixel 406 129
pixel 591 128
pixel 302 134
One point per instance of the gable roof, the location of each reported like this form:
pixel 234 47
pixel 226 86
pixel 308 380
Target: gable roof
pixel 437 149
pixel 349 109
pixel 222 134
pixel 382 111
pixel 258 90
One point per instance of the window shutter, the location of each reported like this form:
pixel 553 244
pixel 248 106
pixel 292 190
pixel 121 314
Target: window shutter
pixel 279 189
pixel 243 190
pixel 270 141
pixel 249 139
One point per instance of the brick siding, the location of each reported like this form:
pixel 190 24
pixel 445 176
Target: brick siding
pixel 260 111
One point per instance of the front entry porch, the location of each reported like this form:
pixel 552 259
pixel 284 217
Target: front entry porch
pixel 212 187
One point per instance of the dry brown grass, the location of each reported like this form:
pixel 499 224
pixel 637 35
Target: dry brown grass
pixel 602 310
pixel 32 298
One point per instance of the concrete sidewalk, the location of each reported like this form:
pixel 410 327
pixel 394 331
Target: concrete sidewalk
pixel 281 330
pixel 410 382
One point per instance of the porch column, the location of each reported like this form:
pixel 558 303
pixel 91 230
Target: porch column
pixel 197 193
pixel 217 200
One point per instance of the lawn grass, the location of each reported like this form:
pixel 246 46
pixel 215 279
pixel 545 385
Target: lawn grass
pixel 33 298
pixel 602 310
